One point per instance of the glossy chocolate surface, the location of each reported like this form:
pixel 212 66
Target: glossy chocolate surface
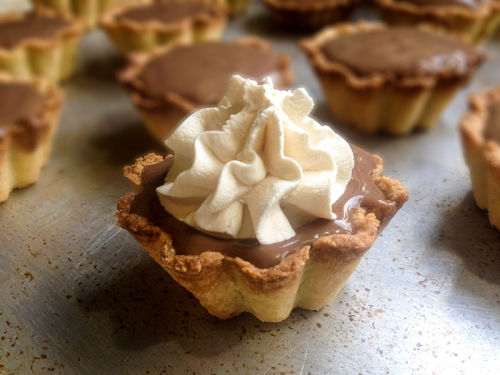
pixel 471 4
pixel 361 191
pixel 492 130
pixel 168 12
pixel 20 106
pixel 401 51
pixel 31 26
pixel 200 73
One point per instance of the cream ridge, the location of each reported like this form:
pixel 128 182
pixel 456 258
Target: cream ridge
pixel 255 166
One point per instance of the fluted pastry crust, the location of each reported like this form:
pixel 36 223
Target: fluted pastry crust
pixel 310 278
pixel 481 155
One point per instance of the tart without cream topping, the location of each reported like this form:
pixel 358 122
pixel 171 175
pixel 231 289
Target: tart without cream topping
pixel 31 26
pixel 201 72
pixel 402 51
pixel 167 12
pixel 492 129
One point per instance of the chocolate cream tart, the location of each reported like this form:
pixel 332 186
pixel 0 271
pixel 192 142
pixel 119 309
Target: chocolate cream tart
pixel 480 132
pixel 168 85
pixel 28 119
pixel 231 275
pixel 474 20
pixel 391 80
pixel 38 45
pixel 86 11
pixel 310 14
pixel 144 26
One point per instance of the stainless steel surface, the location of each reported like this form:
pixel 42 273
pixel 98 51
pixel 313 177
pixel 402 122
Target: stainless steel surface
pixel 80 296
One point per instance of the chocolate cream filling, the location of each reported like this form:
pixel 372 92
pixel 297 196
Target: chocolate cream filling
pixel 20 106
pixel 31 26
pixel 492 129
pixel 169 12
pixel 471 4
pixel 361 191
pixel 401 51
pixel 200 73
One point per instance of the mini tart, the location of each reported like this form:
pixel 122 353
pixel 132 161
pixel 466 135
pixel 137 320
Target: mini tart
pixel 310 14
pixel 38 45
pixel 482 150
pixel 227 285
pixel 148 24
pixel 163 110
pixel 376 97
pixel 87 11
pixel 29 113
pixel 474 23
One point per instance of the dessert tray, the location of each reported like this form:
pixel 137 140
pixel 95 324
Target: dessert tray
pixel 80 296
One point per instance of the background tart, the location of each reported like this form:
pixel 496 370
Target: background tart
pixel 231 276
pixel 169 84
pixel 480 132
pixel 475 20
pixel 29 113
pixel 147 24
pixel 87 11
pixel 38 44
pixel 311 14
pixel 379 80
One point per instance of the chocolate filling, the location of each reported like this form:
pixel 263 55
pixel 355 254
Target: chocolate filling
pixel 20 106
pixel 471 4
pixel 361 191
pixel 492 129
pixel 167 12
pixel 201 72
pixel 35 26
pixel 401 51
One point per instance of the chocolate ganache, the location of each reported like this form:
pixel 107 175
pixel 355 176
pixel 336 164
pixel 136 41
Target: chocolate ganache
pixel 401 51
pixel 168 12
pixel 30 26
pixel 361 191
pixel 492 129
pixel 472 4
pixel 20 106
pixel 201 72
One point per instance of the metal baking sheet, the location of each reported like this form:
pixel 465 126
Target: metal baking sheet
pixel 80 296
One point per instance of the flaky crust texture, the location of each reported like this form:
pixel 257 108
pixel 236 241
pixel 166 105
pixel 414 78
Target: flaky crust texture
pixel 416 101
pixel 52 59
pixel 87 11
pixel 475 24
pixel 481 155
pixel 130 36
pixel 226 286
pixel 20 167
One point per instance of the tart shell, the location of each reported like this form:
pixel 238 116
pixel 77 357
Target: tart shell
pixel 87 11
pixel 381 103
pixel 131 37
pixel 482 156
pixel 19 166
pixel 310 278
pixel 306 15
pixel 53 59
pixel 162 115
pixel 475 25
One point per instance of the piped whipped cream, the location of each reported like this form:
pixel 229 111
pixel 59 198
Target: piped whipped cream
pixel 255 166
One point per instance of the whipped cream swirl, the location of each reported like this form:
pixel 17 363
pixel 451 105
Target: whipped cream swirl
pixel 11 6
pixel 255 166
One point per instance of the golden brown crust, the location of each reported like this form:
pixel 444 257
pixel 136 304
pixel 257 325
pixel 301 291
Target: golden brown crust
pixel 20 167
pixel 226 286
pixel 475 24
pixel 172 108
pixel 417 101
pixel 130 36
pixel 482 155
